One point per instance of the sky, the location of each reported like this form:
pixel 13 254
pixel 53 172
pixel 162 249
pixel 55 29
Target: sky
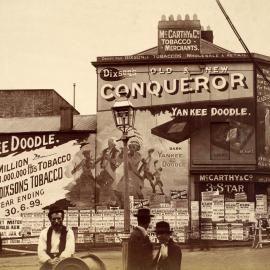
pixel 50 44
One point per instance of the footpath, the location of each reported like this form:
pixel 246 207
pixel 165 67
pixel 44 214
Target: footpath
pixel 237 258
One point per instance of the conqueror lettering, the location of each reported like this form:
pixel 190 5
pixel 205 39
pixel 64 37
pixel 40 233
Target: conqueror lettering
pixel 186 85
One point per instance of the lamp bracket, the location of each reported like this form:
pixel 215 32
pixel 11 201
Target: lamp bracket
pixel 125 137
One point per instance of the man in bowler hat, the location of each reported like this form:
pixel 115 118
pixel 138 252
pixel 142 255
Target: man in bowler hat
pixel 169 256
pixel 140 249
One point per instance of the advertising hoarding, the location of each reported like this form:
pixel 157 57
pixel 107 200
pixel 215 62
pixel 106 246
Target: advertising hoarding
pixel 38 170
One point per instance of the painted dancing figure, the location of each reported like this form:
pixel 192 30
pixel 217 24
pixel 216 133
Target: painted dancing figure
pixel 157 177
pixel 109 162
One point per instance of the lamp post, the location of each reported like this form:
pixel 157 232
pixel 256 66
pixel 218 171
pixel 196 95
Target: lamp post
pixel 124 118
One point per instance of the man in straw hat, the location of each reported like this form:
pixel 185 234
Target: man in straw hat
pixel 169 255
pixel 140 249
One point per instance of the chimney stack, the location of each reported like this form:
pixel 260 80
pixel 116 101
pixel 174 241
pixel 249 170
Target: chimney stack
pixel 207 34
pixel 179 36
pixel 66 118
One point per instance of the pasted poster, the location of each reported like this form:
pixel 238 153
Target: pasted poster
pixel 230 211
pixel 38 170
pixel 263 123
pixel 218 208
pixel 156 166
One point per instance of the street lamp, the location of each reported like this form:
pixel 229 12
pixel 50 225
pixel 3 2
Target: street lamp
pixel 124 114
pixel 124 118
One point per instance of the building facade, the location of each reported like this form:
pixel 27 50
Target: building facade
pixel 200 149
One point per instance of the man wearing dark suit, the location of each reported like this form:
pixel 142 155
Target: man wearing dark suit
pixel 140 249
pixel 169 256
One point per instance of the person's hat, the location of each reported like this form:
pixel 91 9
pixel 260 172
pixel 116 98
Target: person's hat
pixel 163 227
pixel 55 209
pixel 143 212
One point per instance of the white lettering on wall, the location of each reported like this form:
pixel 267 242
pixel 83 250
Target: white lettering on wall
pixel 185 85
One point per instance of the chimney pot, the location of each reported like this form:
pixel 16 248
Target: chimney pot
pixel 163 18
pixel 207 35
pixel 171 18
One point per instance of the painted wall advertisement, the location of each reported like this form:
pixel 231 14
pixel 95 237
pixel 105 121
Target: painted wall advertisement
pixel 187 86
pixel 232 186
pixel 211 103
pixel 263 123
pixel 157 168
pixel 179 37
pixel 191 94
pixel 38 170
pixel 152 85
